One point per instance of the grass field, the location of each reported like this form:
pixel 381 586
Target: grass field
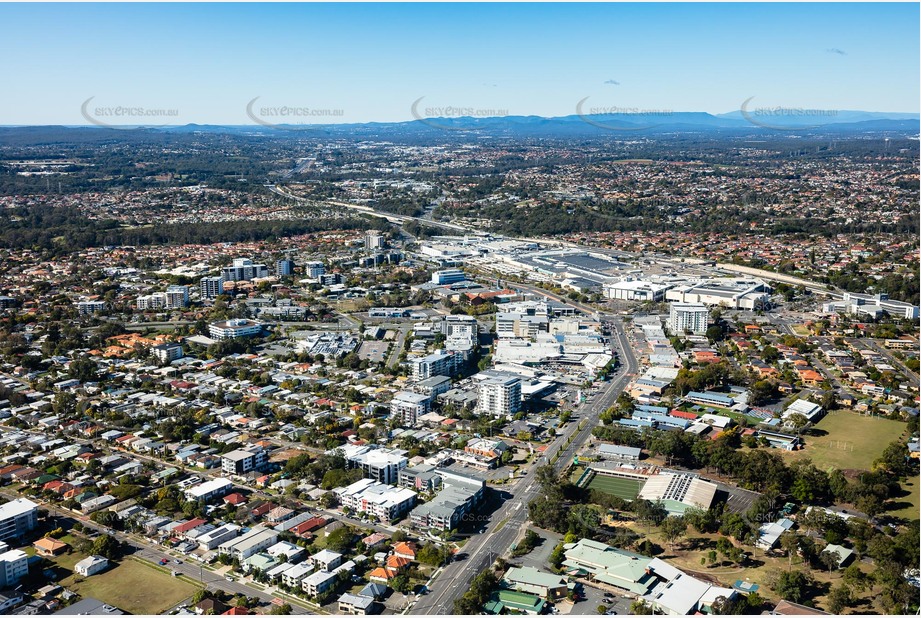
pixel 911 503
pixel 133 587
pixel 625 489
pixel 849 440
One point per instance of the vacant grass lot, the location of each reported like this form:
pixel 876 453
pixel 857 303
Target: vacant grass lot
pixel 134 587
pixel 848 440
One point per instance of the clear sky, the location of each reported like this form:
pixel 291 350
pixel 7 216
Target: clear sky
pixel 372 61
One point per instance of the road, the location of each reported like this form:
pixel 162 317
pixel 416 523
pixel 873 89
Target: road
pixel 507 523
pixel 397 346
pixel 393 218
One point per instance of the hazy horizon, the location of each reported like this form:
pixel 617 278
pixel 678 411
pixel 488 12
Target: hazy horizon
pixel 357 63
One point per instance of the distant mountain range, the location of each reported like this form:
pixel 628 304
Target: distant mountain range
pixel 754 120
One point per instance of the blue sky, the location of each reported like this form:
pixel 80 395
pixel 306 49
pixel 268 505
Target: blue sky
pixel 372 61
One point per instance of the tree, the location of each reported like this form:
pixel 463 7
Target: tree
pixel 649 512
pixel 339 539
pixel 830 560
pixel 641 608
pixel 673 528
pixel 791 585
pixel 839 598
pixel 432 555
pixel 789 541
pixel 107 547
pixel 281 610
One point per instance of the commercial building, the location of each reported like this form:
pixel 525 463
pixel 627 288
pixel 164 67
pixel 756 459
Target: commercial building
pixel 383 501
pixel 679 491
pixel 630 289
pixel 621 453
pixel 729 292
pixel 242 461
pixel 688 317
pixel 678 594
pixel 528 579
pixel 811 411
pixel 615 567
pixel 234 329
pixel 408 407
pixel 243 269
pixel 445 277
pixel 499 396
pixel 872 304
pixel 17 517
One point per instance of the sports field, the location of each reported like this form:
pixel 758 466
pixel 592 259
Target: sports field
pixel 625 489
pixel 849 440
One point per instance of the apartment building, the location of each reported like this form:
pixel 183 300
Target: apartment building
pixel 408 407
pixel 383 501
pixel 499 396
pixel 243 269
pixel 243 461
pixel 211 287
pixel 17 517
pixel 683 317
pixel 380 464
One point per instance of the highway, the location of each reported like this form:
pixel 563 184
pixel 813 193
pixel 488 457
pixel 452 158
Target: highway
pixel 366 210
pixel 508 522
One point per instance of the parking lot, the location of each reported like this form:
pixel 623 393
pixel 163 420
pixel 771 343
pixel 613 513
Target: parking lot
pixel 595 597
pixel 373 351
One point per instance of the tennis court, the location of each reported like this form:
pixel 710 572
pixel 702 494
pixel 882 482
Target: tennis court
pixel 625 489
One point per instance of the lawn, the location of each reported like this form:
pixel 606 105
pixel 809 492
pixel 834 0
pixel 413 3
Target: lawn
pixel 134 587
pixel 849 440
pixel 910 503
pixel 625 489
